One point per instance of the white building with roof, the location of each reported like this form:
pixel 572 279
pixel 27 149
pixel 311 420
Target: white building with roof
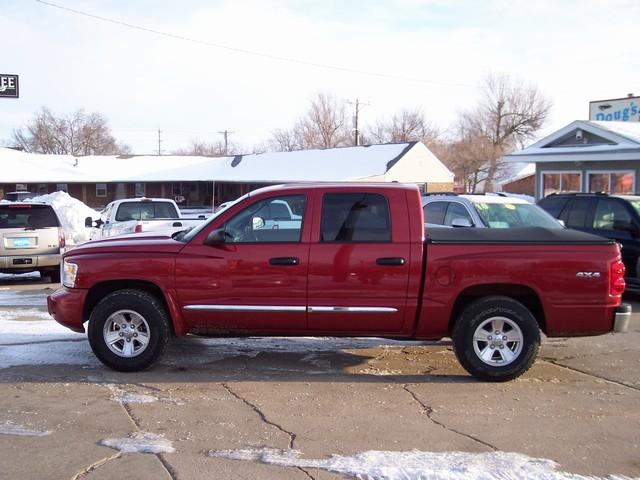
pixel 585 156
pixel 97 180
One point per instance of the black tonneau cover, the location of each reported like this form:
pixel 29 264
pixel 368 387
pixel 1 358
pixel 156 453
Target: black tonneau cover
pixel 524 235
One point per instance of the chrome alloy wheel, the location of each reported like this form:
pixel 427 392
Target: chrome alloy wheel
pixel 126 333
pixel 498 341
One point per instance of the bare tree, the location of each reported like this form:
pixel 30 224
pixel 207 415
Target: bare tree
pixel 466 155
pixel 405 126
pixel 78 133
pixel 206 149
pixel 509 114
pixel 324 125
pixel 285 141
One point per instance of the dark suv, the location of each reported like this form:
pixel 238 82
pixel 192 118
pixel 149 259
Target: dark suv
pixel 612 216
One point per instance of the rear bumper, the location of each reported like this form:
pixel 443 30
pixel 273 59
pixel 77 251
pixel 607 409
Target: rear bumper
pixel 35 261
pixel 65 305
pixel 623 315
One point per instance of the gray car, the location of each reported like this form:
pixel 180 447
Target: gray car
pixel 483 211
pixel 30 239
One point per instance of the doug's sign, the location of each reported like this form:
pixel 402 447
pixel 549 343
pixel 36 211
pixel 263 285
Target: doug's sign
pixel 9 86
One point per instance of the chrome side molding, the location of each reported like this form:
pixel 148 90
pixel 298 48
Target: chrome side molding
pixel 287 308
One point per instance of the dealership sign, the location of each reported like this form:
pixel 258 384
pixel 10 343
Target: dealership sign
pixel 615 110
pixel 9 86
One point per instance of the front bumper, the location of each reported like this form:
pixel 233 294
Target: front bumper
pixel 65 305
pixel 623 315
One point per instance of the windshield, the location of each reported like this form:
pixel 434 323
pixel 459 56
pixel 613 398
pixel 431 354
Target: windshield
pixel 509 215
pixel 192 233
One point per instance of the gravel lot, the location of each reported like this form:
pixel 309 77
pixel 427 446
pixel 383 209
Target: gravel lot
pixel 307 408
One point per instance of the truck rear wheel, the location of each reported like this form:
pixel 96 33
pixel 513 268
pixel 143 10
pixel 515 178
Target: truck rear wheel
pixel 128 330
pixel 496 338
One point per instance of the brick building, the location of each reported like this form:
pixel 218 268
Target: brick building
pixel 197 181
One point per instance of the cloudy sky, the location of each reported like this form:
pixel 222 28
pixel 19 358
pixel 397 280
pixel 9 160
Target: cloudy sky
pixel 252 66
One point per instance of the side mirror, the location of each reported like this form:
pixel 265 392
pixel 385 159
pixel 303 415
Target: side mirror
pixel 257 223
pixel 88 222
pixel 461 222
pixel 216 237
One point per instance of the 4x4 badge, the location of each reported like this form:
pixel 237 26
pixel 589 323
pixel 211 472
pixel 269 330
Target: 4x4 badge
pixel 588 274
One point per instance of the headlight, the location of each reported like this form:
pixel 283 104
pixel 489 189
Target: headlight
pixel 69 271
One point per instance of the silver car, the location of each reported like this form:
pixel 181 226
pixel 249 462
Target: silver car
pixel 30 239
pixel 483 211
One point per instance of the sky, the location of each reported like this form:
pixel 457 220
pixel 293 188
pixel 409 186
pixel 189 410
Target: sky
pixel 251 67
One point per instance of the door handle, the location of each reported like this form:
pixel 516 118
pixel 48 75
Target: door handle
pixel 390 261
pixel 177 224
pixel 283 261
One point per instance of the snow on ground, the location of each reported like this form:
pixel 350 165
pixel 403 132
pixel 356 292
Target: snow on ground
pixel 9 297
pixel 416 465
pixel 122 396
pixel 140 442
pixel 10 428
pixel 71 213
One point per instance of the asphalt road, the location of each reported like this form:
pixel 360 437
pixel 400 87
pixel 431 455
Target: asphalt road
pixel 279 408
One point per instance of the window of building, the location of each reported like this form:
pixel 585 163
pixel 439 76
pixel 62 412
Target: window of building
pixel 561 182
pixel 140 190
pixel 176 189
pixel 21 187
pixel 355 217
pixel 612 182
pixel 101 189
pixel 43 189
pixel 62 187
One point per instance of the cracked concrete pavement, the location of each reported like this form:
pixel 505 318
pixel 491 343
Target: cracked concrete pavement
pixel 579 406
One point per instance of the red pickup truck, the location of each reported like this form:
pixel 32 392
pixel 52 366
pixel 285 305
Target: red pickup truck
pixel 343 260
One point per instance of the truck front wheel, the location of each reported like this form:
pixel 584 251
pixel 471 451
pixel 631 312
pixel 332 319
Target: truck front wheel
pixel 128 330
pixel 496 338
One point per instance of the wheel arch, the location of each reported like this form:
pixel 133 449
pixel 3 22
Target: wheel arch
pixel 522 293
pixel 102 289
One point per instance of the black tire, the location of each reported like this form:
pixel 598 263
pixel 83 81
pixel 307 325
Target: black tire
pixel 136 305
pixel 54 276
pixel 503 360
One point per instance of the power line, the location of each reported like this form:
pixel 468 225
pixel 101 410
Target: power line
pixel 252 52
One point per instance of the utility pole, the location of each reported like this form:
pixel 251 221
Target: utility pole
pixel 226 134
pixel 356 121
pixel 159 142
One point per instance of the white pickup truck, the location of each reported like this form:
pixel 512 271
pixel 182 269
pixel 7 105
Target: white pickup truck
pixel 137 215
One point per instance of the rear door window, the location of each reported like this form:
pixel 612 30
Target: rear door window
pixel 27 216
pixel 145 211
pixel 553 205
pixel 355 217
pixel 434 212
pixel 575 214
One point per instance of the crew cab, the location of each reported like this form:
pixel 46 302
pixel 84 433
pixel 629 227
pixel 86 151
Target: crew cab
pixel 356 263
pixel 137 215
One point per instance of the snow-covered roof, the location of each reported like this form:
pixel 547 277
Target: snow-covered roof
pixel 525 171
pixel 607 141
pixel 412 160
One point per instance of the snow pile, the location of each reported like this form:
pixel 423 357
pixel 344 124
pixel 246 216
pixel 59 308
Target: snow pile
pixel 10 428
pixel 416 465
pixel 140 442
pixel 71 213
